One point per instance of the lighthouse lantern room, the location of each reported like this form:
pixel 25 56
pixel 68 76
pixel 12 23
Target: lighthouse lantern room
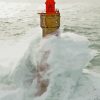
pixel 50 6
pixel 50 19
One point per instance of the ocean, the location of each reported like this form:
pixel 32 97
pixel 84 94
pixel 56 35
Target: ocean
pixel 20 22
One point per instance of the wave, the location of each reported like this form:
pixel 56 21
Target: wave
pixel 52 69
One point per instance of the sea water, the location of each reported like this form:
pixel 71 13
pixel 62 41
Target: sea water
pixel 18 22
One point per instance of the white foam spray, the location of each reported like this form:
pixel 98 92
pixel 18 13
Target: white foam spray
pixel 67 56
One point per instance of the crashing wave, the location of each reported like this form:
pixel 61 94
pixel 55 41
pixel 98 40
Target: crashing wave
pixel 52 69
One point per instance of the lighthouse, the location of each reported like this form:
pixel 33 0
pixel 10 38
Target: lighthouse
pixel 50 18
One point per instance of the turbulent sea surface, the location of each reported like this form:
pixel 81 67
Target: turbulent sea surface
pixel 19 23
pixel 81 17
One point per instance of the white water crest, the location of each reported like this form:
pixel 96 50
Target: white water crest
pixel 63 59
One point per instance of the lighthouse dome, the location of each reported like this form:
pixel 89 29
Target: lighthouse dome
pixel 50 6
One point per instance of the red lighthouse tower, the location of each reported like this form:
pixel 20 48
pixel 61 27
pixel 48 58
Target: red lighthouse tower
pixel 50 6
pixel 50 19
pixel 50 23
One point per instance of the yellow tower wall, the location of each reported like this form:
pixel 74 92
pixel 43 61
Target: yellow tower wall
pixel 49 23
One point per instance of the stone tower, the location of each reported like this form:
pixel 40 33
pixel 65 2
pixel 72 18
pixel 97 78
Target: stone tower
pixel 50 19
